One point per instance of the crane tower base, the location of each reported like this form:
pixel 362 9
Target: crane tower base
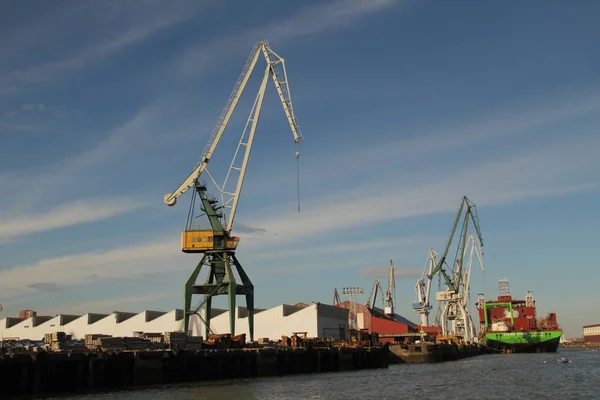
pixel 220 281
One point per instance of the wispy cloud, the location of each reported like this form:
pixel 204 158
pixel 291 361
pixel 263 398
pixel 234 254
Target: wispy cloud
pixel 34 107
pixel 126 25
pixel 144 262
pixel 515 122
pixel 8 127
pixel 242 228
pixel 33 114
pixel 255 253
pixel 334 15
pixel 134 303
pixel 51 287
pixel 78 269
pixel 139 132
pixel 382 272
pixel 557 169
pixel 63 216
pixel 60 181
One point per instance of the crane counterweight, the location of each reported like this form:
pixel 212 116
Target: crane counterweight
pixel 170 200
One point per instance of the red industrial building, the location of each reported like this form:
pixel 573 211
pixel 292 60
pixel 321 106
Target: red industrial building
pixel 591 333
pixel 389 329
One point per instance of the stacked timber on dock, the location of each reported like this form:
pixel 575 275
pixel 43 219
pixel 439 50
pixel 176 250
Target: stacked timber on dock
pixel 180 340
pixel 46 372
pixel 145 341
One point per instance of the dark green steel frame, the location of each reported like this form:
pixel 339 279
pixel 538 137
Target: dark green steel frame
pixel 221 278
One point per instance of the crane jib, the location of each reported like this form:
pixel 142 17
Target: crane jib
pixel 276 70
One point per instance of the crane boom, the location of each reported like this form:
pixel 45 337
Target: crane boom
pixel 390 293
pixel 372 299
pixel 423 289
pixel 255 115
pixel 475 250
pixel 336 297
pixel 171 198
pixel 453 282
pixel 283 89
pixel 281 83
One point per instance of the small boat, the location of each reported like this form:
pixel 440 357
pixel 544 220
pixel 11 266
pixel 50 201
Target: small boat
pixel 563 360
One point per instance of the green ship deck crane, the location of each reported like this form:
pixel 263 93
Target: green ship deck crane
pixel 216 244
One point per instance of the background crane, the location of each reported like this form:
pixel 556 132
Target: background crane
pixel 423 289
pixel 336 297
pixel 475 251
pixel 390 293
pixel 387 296
pixel 216 244
pixel 453 297
pixel 453 280
pixel 455 316
pixel 372 299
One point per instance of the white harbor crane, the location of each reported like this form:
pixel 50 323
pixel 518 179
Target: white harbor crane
pixel 456 318
pixel 387 296
pixel 216 244
pixel 452 297
pixel 475 251
pixel 390 293
pixel 423 289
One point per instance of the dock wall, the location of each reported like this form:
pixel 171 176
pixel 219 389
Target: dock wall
pixel 47 372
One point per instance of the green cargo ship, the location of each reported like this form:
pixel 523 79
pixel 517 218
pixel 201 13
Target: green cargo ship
pixel 522 342
pixel 511 326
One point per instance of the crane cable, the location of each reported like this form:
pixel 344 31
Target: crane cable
pixel 298 174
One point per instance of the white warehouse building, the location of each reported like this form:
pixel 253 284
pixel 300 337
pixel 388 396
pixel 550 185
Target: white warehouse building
pixel 316 319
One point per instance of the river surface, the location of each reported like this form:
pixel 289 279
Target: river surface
pixel 511 376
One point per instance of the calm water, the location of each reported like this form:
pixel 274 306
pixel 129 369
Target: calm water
pixel 515 376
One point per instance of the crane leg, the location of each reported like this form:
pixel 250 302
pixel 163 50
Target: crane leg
pixel 249 290
pixel 231 289
pixel 208 315
pixel 250 306
pixel 187 294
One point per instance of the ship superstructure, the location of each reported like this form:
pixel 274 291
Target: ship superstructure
pixel 511 326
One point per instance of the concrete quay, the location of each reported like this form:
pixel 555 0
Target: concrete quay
pixel 68 372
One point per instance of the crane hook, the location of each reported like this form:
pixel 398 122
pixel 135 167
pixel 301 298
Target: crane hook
pixel 298 178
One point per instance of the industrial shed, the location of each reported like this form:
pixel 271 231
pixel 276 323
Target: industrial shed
pixel 316 319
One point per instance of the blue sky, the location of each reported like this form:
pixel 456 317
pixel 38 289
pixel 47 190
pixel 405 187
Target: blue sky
pixel 405 107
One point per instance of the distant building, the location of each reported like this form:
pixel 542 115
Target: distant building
pixel 27 313
pixel 591 333
pixel 317 320
pixel 373 320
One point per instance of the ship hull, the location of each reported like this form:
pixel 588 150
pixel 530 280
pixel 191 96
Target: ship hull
pixel 522 342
